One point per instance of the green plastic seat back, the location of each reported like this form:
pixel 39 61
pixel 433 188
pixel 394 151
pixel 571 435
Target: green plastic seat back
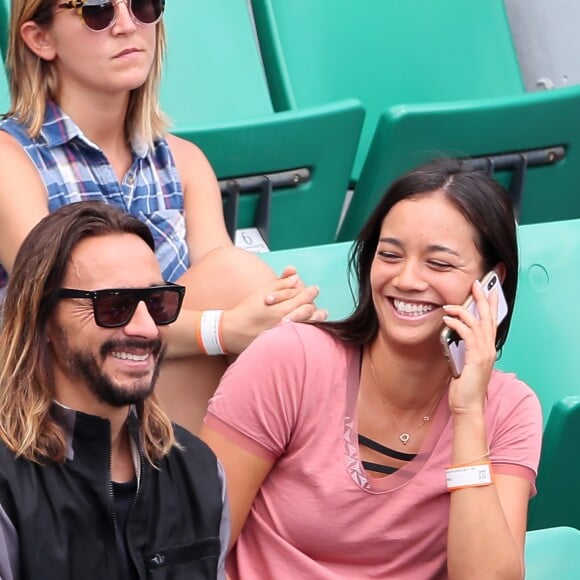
pixel 321 139
pixel 553 553
pixel 325 266
pixel 385 53
pixel 542 348
pixel 213 71
pixel 4 92
pixel 409 135
pixel 558 481
pixel 215 91
pixel 4 21
pixel 543 341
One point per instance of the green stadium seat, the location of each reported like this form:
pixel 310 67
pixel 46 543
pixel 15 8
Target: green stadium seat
pixel 542 346
pixel 543 124
pixel 553 553
pixel 325 266
pixel 434 78
pixel 558 481
pixel 215 92
pixel 4 92
pixel 385 53
pixel 322 140
pixel 4 19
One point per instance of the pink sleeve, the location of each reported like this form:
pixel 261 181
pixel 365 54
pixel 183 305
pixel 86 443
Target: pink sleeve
pixel 517 433
pixel 257 401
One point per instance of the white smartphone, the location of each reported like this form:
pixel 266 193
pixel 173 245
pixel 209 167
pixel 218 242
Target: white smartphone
pixel 453 344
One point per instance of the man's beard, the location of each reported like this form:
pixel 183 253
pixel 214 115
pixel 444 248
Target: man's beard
pixel 84 366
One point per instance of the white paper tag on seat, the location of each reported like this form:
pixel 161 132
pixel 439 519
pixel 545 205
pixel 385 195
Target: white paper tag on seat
pixel 250 239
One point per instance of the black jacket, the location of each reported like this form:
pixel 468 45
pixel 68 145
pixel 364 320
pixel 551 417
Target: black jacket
pixel 58 521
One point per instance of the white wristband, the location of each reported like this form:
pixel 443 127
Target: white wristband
pixel 468 476
pixel 209 335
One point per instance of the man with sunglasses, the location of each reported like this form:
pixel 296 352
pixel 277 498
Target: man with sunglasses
pixel 95 481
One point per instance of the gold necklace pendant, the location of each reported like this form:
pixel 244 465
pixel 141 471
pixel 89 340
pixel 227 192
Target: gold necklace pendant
pixel 405 436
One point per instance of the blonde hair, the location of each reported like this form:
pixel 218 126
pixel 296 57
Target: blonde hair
pixel 27 426
pixel 33 81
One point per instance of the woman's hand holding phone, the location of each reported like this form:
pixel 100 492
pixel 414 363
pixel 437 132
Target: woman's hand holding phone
pixel 453 343
pixel 469 342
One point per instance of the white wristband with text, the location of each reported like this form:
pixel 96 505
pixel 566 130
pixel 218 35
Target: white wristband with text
pixel 210 332
pixel 462 476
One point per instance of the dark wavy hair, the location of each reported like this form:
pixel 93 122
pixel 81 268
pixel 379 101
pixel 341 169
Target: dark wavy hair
pixel 483 202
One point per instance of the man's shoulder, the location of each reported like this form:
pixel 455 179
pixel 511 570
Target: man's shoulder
pixel 191 445
pixel 8 459
pixel 194 460
pixel 14 470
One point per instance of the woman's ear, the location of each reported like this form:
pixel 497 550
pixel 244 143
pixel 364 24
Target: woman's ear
pixel 501 271
pixel 38 40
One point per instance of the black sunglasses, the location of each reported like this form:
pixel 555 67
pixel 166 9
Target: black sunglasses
pixel 101 14
pixel 115 307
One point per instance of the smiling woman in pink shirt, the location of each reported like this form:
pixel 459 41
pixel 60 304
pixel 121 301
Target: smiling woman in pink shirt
pixel 350 449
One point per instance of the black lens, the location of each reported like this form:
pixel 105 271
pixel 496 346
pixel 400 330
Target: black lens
pixel 114 308
pixel 163 305
pixel 98 16
pixel 147 11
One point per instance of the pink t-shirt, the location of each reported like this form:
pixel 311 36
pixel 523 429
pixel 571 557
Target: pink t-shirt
pixel 291 399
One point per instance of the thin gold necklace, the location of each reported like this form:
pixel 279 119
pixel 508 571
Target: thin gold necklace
pixel 405 436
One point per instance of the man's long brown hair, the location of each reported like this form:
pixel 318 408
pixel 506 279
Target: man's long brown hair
pixel 26 383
